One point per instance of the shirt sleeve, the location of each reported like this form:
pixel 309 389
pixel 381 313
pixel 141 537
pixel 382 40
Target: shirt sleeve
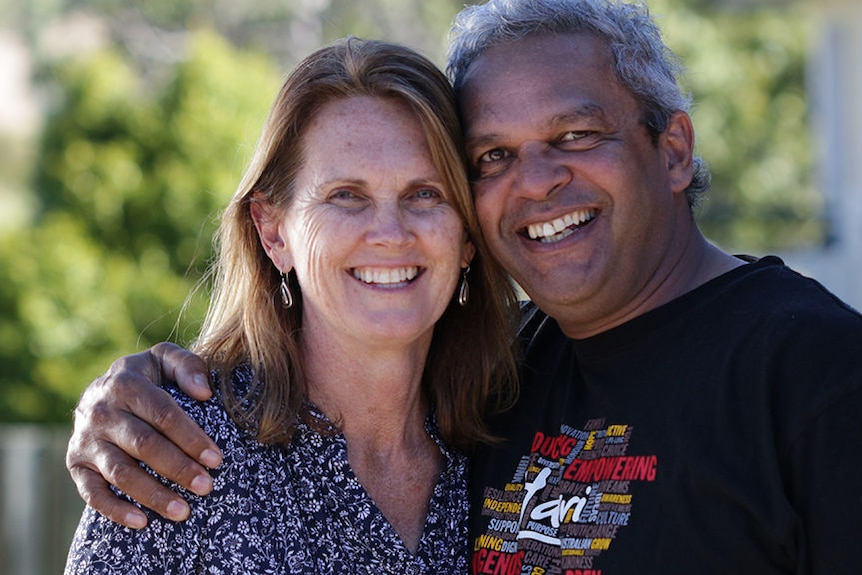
pixel 101 546
pixel 825 487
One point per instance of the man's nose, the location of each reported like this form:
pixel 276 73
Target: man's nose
pixel 538 171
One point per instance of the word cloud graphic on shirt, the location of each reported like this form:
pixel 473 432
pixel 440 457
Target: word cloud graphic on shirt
pixel 564 505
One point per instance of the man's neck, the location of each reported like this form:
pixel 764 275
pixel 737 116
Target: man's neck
pixel 697 263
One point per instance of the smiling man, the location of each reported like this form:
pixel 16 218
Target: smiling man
pixel 682 410
pixel 547 148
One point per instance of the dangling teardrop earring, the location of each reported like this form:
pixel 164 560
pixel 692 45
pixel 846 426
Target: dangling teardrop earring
pixel 286 296
pixel 464 288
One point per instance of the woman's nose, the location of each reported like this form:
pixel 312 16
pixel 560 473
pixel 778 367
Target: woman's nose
pixel 390 226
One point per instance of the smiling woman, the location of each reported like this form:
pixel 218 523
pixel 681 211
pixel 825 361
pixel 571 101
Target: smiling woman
pixel 348 376
pixel 369 204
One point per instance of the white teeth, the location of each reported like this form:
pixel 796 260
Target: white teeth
pixel 384 276
pixel 561 226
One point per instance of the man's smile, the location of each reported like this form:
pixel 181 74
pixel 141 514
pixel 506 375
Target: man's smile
pixel 560 228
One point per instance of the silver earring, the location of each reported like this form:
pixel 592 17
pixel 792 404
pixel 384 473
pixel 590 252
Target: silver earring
pixel 286 296
pixel 464 288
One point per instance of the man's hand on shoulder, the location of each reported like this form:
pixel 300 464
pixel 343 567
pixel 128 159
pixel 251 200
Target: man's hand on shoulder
pixel 124 417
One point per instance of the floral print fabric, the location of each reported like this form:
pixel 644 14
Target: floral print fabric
pixel 280 510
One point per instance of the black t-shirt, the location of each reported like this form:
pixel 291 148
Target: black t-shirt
pixel 720 433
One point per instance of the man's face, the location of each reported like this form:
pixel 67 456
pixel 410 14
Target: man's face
pixel 573 195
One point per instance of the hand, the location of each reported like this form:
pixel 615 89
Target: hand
pixel 122 417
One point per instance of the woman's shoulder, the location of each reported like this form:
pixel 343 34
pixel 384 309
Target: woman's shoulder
pixel 245 460
pixel 211 415
pixel 214 416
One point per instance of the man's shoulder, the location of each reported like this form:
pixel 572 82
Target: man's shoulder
pixel 530 313
pixel 784 292
pixel 536 323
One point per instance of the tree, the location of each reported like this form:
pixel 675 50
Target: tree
pixel 130 181
pixel 148 138
pixel 746 71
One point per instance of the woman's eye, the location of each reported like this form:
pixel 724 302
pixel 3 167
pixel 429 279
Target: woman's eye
pixel 343 196
pixel 425 197
pixel 427 194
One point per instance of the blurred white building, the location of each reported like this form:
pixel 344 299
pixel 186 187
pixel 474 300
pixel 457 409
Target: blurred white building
pixel 19 114
pixel 835 89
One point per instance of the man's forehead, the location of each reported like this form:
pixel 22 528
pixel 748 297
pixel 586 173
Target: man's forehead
pixel 548 58
pixel 506 83
pixel 540 48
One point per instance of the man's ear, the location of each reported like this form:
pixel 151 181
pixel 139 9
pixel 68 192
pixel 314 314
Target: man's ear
pixel 677 141
pixel 267 220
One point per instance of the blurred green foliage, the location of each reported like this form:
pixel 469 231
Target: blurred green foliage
pixel 746 71
pixel 129 183
pixel 142 148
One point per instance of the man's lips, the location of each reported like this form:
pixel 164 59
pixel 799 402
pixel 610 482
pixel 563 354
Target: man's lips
pixel 560 228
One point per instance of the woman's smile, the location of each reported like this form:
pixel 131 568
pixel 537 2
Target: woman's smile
pixel 386 277
pixel 371 232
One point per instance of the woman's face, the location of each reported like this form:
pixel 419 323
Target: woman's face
pixel 371 231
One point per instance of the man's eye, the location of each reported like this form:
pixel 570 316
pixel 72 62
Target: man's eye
pixel 575 135
pixel 494 155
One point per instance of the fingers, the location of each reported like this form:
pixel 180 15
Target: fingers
pixel 121 418
pixel 185 368
pixel 94 491
pixel 128 386
pixel 93 462
pixel 164 437
pixel 141 487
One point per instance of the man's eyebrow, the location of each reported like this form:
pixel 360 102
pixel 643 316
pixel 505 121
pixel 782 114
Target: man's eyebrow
pixel 580 112
pixel 483 141
pixel 586 111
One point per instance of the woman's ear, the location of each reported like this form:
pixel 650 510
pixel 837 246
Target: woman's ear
pixel 678 143
pixel 267 220
pixel 468 252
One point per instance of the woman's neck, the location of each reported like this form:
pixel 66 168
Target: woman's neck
pixel 374 393
pixel 376 397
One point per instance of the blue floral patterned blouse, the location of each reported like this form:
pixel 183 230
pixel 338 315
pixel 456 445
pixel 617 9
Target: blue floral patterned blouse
pixel 280 510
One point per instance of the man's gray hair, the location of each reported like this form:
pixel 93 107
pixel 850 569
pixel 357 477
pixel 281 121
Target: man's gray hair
pixel 644 64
